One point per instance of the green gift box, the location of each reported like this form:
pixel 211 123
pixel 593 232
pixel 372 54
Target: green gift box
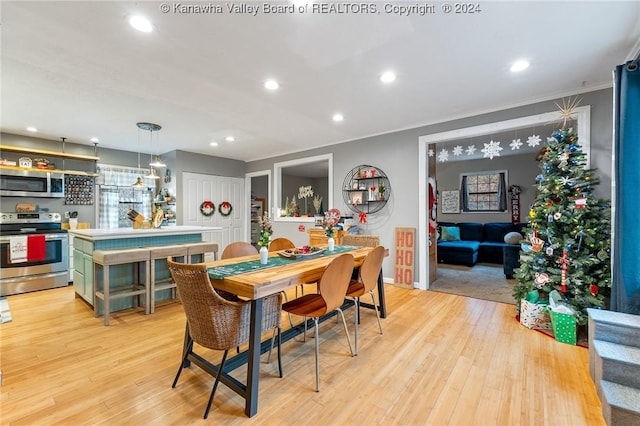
pixel 564 327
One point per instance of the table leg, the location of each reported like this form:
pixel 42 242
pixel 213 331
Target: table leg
pixel 253 370
pixel 381 301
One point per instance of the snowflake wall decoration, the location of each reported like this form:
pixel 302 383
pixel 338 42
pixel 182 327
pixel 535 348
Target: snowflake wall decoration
pixel 515 144
pixel 491 149
pixel 443 156
pixel 457 150
pixel 471 149
pixel 431 153
pixel 533 140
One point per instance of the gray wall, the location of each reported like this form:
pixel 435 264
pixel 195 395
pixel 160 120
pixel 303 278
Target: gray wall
pixel 397 155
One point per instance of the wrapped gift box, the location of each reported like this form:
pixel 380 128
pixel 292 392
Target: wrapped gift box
pixel 534 315
pixel 564 327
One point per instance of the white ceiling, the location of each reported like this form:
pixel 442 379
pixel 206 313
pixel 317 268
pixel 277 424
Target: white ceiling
pixel 77 69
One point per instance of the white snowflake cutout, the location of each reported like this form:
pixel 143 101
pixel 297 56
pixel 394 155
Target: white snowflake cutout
pixel 533 140
pixel 491 149
pixel 565 180
pixel 443 156
pixel 457 150
pixel 515 144
pixel 431 153
pixel 471 149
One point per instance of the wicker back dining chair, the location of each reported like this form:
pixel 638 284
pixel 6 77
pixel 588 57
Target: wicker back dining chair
pixel 366 283
pixel 237 249
pixel 214 322
pixel 281 243
pixel 332 289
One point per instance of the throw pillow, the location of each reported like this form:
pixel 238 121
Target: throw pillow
pixel 450 233
pixel 513 238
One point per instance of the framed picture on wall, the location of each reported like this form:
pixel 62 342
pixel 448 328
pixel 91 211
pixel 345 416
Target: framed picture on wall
pixel 451 201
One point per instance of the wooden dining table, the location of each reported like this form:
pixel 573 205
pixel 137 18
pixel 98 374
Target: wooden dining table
pixel 255 286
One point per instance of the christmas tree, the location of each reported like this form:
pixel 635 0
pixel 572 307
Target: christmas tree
pixel 568 234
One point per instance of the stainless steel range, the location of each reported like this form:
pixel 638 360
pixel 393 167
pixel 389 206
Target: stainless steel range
pixel 49 268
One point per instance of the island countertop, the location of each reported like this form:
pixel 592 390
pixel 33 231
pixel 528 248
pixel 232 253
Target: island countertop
pixel 119 233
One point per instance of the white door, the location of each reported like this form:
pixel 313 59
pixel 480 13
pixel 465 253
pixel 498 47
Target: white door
pixel 198 188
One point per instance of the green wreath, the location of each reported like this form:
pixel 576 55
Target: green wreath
pixel 225 208
pixel 207 208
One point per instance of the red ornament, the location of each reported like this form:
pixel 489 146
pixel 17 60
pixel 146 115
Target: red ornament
pixel 593 289
pixel 363 217
pixel 580 203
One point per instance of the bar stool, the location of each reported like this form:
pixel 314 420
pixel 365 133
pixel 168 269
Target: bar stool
pixel 136 257
pixel 165 283
pixel 201 249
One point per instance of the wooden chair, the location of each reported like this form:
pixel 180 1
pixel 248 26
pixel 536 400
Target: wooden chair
pixel 332 289
pixel 281 244
pixel 237 249
pixel 366 283
pixel 214 322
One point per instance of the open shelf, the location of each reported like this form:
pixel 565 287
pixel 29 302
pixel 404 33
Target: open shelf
pixel 66 172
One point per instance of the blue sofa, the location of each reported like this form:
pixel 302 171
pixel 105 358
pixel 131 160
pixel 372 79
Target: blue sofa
pixel 480 242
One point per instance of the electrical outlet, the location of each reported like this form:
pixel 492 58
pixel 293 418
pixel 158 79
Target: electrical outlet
pixel 66 215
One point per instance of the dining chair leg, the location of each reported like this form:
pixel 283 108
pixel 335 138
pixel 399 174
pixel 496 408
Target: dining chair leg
pixel 188 350
pixel 275 330
pixel 280 351
pixel 356 322
pixel 377 309
pixel 215 384
pixel 346 331
pixel 317 343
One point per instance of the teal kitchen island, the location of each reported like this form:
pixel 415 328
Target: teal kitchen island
pixel 86 241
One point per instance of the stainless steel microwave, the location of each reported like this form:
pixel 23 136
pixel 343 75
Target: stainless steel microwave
pixel 26 183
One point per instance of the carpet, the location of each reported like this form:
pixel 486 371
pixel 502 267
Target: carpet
pixel 482 281
pixel 5 313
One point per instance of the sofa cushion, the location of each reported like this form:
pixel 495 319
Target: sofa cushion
pixel 458 246
pixel 496 231
pixel 470 231
pixel 490 252
pixel 450 233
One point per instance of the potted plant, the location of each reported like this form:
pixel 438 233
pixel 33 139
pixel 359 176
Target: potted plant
pixel 381 190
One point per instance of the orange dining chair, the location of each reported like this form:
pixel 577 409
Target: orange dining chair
pixel 332 289
pixel 215 322
pixel 237 249
pixel 366 283
pixel 281 243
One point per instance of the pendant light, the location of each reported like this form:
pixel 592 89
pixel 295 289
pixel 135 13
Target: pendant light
pixel 139 183
pixel 157 163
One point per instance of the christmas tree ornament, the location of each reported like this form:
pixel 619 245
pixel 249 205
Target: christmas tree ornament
pixel 536 244
pixel 532 214
pixel 549 251
pixel 593 289
pixel 564 261
pixel 550 218
pixel 602 254
pixel 541 279
pixel 580 203
pixel 557 215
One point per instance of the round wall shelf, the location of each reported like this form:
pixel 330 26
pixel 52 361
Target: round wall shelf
pixel 366 189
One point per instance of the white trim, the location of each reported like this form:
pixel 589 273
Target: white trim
pixel 582 115
pixel 247 196
pixel 277 173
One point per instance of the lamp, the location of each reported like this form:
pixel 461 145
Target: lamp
pixel 139 183
pixel 157 163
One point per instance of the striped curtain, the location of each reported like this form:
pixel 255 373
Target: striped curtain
pixel 625 288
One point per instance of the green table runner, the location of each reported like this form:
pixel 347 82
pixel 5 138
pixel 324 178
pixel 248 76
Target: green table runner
pixel 221 272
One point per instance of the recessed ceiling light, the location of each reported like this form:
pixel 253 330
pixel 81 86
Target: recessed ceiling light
pixel 31 129
pixel 520 65
pixel 271 85
pixel 94 140
pixel 338 117
pixel 213 143
pixel 141 23
pixel 229 139
pixel 388 77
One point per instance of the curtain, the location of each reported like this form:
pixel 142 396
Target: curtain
pixel 625 289
pixel 464 195
pixel 116 195
pixel 502 193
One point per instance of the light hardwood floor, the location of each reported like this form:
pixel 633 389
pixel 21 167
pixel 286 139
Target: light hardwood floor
pixel 442 359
